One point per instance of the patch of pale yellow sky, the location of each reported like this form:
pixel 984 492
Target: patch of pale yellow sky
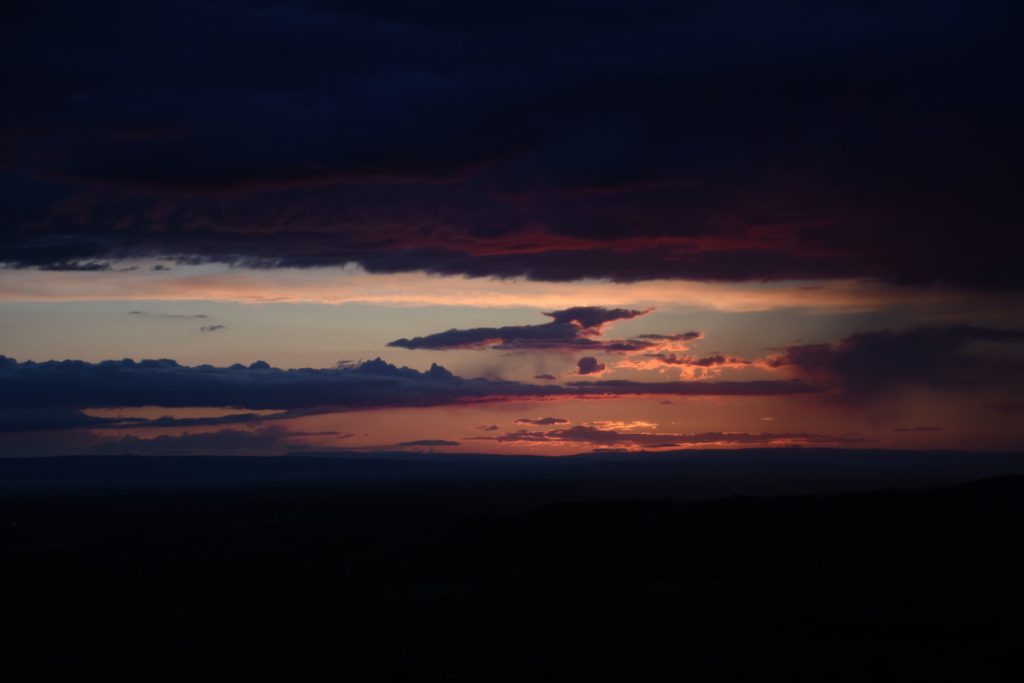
pixel 353 285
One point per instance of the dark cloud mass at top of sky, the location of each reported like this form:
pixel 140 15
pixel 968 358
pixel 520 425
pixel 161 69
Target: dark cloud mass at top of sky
pixel 722 141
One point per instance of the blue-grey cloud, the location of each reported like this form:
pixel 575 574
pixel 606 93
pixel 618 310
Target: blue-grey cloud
pixel 76 385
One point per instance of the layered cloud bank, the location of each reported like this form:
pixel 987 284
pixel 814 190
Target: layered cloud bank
pixel 62 385
pixel 594 436
pixel 92 403
pixel 47 394
pixel 727 141
pixel 260 408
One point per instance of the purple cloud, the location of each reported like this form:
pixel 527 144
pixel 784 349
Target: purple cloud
pixel 588 365
pixel 569 329
pixel 542 421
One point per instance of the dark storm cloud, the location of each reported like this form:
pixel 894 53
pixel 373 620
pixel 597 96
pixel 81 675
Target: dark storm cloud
pixel 73 384
pixel 871 362
pixel 212 328
pixel 607 437
pixel 588 365
pixel 723 141
pixel 570 329
pixel 541 421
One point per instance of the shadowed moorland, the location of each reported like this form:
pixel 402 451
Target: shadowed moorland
pixel 456 568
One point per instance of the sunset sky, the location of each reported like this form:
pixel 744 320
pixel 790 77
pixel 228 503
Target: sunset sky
pixel 535 228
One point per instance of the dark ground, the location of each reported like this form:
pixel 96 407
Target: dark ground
pixel 435 567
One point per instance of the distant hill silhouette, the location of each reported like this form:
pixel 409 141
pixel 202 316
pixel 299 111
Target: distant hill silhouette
pixel 689 474
pixel 451 568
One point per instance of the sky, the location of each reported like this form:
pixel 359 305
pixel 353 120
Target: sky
pixel 516 228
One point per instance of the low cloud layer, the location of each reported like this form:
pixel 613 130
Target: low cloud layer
pixel 690 367
pixel 266 440
pixel 594 436
pixel 542 421
pixel 427 443
pixel 50 418
pixel 70 385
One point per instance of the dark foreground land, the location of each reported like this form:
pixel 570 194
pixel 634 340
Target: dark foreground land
pixel 446 568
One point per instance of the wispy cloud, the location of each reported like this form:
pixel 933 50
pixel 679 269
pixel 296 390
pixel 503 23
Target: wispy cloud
pixel 594 436
pixel 173 316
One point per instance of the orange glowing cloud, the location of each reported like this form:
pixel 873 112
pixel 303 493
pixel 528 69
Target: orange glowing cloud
pixel 351 284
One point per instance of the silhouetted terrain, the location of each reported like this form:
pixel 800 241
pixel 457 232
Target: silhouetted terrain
pixel 445 567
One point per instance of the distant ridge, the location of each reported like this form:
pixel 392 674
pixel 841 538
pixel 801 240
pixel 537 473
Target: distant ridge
pixel 687 474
